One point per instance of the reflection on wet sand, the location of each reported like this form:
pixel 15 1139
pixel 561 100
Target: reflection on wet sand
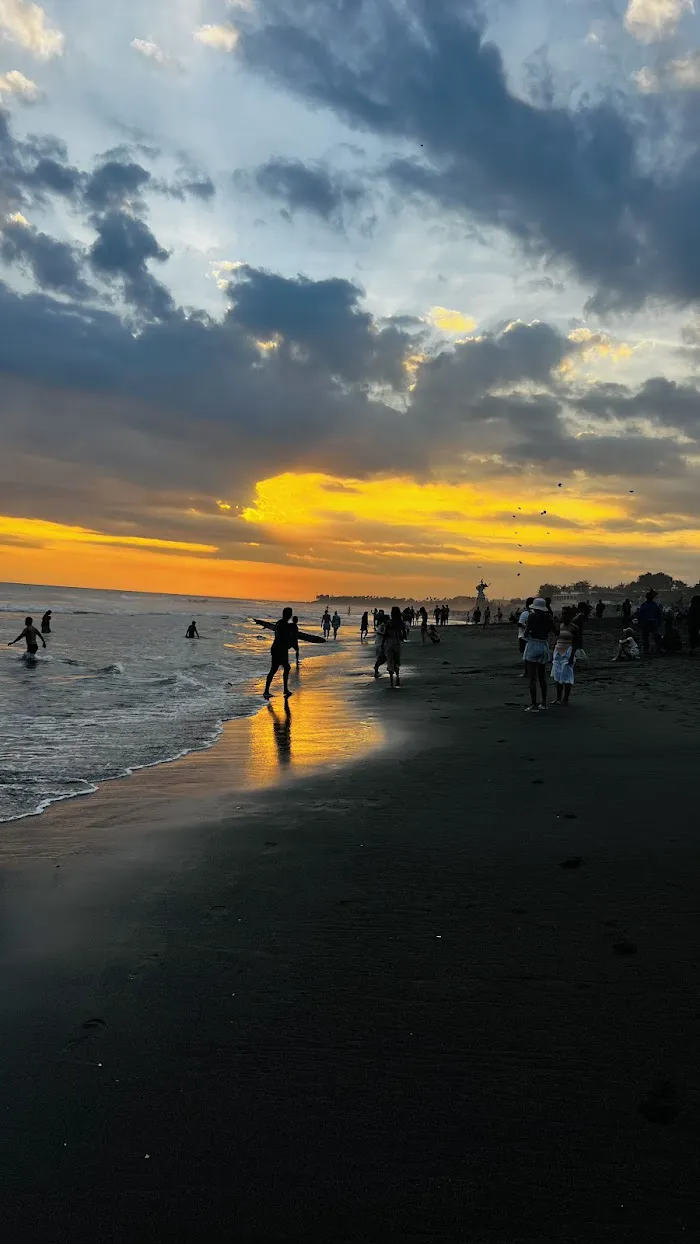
pixel 317 729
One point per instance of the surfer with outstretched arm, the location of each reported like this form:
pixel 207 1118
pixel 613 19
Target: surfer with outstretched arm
pixel 279 652
pixel 31 635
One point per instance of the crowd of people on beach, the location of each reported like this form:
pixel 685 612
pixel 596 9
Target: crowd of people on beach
pixel 543 638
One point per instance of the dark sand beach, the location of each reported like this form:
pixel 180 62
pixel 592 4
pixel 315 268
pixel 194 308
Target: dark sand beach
pixel 415 967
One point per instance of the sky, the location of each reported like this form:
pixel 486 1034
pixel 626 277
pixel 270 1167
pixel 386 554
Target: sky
pixel 349 296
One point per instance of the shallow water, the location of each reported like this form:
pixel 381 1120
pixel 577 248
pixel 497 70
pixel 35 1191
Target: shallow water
pixel 119 686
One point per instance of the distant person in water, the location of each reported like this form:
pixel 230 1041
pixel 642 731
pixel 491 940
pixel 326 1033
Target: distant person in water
pixel 30 635
pixel 295 637
pixel 364 627
pixel 46 623
pixel 192 632
pixel 326 624
pixel 336 623
pixel 279 652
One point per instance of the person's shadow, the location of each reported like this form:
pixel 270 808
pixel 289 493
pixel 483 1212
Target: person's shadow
pixel 282 731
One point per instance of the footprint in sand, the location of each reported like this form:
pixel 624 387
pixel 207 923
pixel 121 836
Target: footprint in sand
pixel 150 961
pixel 573 861
pixel 660 1104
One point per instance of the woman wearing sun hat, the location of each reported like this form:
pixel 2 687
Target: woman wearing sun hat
pixel 540 624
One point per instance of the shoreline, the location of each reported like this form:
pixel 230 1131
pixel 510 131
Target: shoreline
pixel 372 1004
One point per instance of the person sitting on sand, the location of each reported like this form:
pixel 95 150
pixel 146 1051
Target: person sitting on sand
pixel 192 632
pixel 364 626
pixel 30 635
pixel 279 652
pixel 433 635
pixel 564 657
pixel 540 625
pixel 627 647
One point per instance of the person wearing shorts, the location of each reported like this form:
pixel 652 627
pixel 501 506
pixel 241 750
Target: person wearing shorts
pixel 540 624
pixel 279 652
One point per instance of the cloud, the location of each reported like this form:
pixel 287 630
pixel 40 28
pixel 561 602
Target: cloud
pixel 679 75
pixel 652 20
pixel 310 188
pixel 25 23
pixel 157 56
pixel 114 183
pixel 222 38
pixel 123 247
pixel 609 194
pixel 54 265
pixel 19 87
pixel 451 321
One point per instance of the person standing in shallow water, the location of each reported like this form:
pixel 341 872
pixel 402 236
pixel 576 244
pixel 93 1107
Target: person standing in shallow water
pixel 336 623
pixel 279 652
pixel 326 624
pixel 30 635
pixel 192 632
pixel 540 625
pixel 394 635
pixel 46 623
pixel 364 627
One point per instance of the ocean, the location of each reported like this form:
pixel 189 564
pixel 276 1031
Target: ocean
pixel 119 687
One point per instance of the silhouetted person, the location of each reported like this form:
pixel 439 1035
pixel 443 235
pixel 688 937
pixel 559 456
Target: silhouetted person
pixel 423 615
pixel 650 617
pixel 540 624
pixel 192 632
pixel 548 603
pixel 46 623
pixel 364 627
pixel 279 652
pixel 626 612
pixel 487 615
pixel 326 623
pixel 499 615
pixel 295 637
pixel 336 624
pixel 694 624
pixel 599 610
pixel 476 616
pixel 671 641
pixel 30 635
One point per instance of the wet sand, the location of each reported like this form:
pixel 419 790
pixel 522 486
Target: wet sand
pixel 447 992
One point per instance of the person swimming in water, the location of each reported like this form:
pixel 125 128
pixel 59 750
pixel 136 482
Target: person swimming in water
pixel 30 634
pixel 192 632
pixel 279 652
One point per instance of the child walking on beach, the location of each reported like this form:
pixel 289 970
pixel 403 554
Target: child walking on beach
pixel 564 657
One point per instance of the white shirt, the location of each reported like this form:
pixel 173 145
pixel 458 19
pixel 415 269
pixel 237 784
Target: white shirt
pixel 522 623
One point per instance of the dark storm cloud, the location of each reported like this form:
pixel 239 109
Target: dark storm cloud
pixel 113 183
pixel 309 188
pixel 321 319
pixel 659 400
pixel 54 265
pixel 123 246
pixel 610 191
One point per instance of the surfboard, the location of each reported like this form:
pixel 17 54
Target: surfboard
pixel 305 636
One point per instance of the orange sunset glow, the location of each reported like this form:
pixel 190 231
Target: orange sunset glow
pixel 312 532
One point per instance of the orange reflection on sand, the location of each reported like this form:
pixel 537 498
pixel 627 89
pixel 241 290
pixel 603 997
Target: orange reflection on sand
pixel 316 730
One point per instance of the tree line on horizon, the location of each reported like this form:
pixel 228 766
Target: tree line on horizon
pixel 658 581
